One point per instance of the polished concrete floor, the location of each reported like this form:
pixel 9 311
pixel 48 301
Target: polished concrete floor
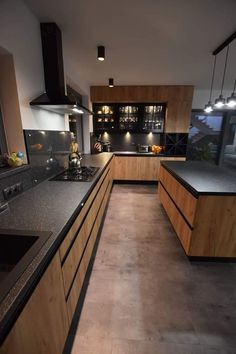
pixel 144 296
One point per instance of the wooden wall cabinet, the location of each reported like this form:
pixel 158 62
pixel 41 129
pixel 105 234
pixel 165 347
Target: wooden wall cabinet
pixel 205 225
pixel 139 168
pixel 178 99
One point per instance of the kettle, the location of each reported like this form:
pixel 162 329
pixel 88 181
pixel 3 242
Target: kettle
pixel 75 160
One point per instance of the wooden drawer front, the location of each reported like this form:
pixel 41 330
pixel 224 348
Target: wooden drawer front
pixel 75 227
pixel 181 227
pixel 79 278
pixel 73 258
pixel 185 201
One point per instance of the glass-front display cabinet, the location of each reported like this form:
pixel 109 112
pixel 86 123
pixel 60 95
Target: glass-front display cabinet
pixel 104 117
pixel 133 117
pixel 128 117
pixel 153 118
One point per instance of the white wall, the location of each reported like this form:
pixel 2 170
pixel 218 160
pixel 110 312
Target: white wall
pixel 20 35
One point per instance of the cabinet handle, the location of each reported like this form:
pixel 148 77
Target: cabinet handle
pixel 82 204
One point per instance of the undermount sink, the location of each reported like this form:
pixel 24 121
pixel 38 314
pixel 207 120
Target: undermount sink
pixel 17 250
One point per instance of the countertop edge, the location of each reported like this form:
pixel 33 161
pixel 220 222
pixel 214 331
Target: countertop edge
pixel 192 190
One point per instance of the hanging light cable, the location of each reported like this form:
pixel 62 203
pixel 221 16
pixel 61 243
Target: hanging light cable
pixel 208 107
pixel 231 101
pixel 220 101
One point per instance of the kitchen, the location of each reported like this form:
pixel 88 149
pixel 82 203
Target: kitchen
pixel 62 219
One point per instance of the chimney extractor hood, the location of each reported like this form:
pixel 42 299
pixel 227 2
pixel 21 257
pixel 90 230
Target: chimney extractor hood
pixel 54 99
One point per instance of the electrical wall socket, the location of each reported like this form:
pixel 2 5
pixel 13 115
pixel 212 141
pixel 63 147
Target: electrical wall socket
pixel 13 190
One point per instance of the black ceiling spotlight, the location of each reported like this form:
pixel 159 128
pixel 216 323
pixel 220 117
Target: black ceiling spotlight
pixel 101 53
pixel 111 82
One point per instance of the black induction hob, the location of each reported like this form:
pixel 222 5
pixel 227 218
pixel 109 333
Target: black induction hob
pixel 82 174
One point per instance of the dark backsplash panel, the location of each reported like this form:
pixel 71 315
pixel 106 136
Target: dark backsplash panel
pixel 47 152
pixel 175 143
pixel 126 141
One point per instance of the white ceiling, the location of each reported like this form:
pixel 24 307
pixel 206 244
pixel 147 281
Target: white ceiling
pixel 148 42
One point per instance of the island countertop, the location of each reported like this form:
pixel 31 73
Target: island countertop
pixel 50 206
pixel 202 177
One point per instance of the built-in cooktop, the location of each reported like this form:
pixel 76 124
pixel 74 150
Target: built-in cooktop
pixel 79 174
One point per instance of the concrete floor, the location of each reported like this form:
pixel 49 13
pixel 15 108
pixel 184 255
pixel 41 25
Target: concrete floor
pixel 144 296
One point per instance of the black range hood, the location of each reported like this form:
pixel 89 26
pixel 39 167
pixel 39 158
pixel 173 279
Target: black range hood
pixel 54 99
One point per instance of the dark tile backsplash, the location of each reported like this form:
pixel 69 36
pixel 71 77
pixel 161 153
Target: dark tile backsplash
pixel 175 143
pixel 126 141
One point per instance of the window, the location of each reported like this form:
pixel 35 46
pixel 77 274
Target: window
pixel 205 135
pixel 229 147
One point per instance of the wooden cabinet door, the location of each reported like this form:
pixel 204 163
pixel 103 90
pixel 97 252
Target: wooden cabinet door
pixel 43 324
pixel 136 168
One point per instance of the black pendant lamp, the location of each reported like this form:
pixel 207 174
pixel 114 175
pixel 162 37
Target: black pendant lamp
pixel 111 82
pixel 101 53
pixel 220 101
pixel 209 107
pixel 231 101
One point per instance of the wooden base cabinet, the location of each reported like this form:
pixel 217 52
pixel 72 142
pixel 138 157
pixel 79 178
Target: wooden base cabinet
pixel 139 168
pixel 43 325
pixel 205 226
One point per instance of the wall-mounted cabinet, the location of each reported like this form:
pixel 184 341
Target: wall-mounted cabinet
pixel 178 100
pixel 104 117
pixel 119 117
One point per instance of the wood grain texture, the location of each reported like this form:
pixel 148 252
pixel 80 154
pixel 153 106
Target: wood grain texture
pixel 78 221
pixel 136 168
pixel 178 99
pixel 185 201
pixel 74 256
pixel 80 275
pixel 43 324
pixel 181 227
pixel 214 234
pixel 139 168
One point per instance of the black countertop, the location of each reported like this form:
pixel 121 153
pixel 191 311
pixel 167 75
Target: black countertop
pixel 202 177
pixel 50 206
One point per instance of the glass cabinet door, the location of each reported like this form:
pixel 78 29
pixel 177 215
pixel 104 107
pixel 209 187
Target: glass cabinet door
pixel 104 118
pixel 128 117
pixel 153 118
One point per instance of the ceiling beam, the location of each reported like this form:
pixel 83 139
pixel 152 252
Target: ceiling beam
pixel 224 44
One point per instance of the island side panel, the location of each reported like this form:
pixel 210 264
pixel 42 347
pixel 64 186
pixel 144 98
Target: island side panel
pixel 214 233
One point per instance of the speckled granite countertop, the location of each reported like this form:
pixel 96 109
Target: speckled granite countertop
pixel 50 206
pixel 202 177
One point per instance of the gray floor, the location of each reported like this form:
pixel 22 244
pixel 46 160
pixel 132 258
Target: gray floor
pixel 144 296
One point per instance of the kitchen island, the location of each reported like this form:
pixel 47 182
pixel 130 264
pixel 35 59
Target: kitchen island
pixel 48 288
pixel 200 201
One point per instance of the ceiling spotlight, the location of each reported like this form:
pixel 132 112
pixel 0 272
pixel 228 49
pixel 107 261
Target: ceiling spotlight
pixel 101 53
pixel 111 82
